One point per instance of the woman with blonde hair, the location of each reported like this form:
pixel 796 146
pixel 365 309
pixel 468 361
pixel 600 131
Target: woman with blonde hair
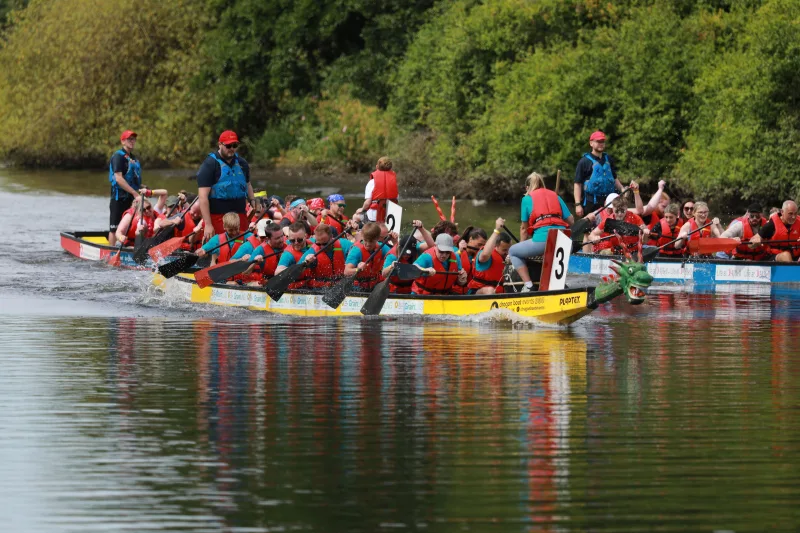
pixel 698 220
pixel 541 211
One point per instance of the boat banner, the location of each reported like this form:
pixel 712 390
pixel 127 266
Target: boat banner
pixel 745 273
pixel 671 271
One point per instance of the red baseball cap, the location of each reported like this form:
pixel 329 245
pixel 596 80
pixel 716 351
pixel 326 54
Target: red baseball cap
pixel 126 134
pixel 597 136
pixel 228 136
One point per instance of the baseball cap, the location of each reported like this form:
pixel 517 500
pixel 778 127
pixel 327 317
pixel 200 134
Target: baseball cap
pixel 228 136
pixel 295 203
pixel 333 198
pixel 611 197
pixel 444 243
pixel 754 208
pixel 261 227
pixel 126 134
pixel 172 201
pixel 407 243
pixel 597 136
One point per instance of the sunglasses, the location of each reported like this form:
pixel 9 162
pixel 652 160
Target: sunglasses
pixel 296 241
pixel 231 146
pixel 688 207
pixel 342 205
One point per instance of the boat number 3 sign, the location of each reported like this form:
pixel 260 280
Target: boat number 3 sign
pixel 394 216
pixel 556 261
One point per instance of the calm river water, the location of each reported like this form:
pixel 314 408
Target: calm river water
pixel 121 410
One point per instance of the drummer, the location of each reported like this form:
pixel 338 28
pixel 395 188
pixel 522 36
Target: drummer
pixel 541 211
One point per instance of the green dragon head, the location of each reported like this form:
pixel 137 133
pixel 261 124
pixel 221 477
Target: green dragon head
pixel 631 279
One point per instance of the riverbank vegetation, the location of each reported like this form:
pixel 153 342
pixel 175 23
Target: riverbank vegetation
pixel 465 95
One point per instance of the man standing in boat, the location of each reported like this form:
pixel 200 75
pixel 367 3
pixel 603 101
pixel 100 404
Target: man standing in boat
pixel 382 186
pixel 125 177
pixel 223 183
pixel 595 177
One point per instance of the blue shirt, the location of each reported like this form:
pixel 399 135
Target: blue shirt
pixel 426 261
pixel 344 244
pixel 244 249
pixel 287 259
pixel 213 243
pixel 526 209
pixel 354 255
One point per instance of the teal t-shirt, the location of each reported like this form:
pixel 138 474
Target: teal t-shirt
pixel 344 244
pixel 540 235
pixel 426 261
pixel 354 255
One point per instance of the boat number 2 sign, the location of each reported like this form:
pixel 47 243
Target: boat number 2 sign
pixel 394 216
pixel 556 261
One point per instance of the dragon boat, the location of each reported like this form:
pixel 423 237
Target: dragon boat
pixel 561 307
pixel 700 271
pixel 93 246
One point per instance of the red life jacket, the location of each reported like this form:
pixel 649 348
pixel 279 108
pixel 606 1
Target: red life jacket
pixel 265 269
pixel 326 271
pixel 743 251
pixel 546 210
pixel 385 188
pixel 703 233
pixel 371 274
pixel 668 235
pixel 150 221
pixel 490 277
pixel 227 250
pixel 255 275
pixel 438 283
pixel 188 226
pixel 782 233
pixel 629 242
pixel 336 224
pixel 397 285
pixel 654 218
pixel 469 267
pixel 302 281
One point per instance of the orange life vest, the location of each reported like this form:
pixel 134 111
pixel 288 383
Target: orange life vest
pixel 226 249
pixel 327 270
pixel 782 233
pixel 149 221
pixel 546 210
pixel 371 274
pixel 336 224
pixel 629 242
pixel 469 267
pixel 743 251
pixel 302 281
pixel 654 218
pixel 438 283
pixel 490 277
pixel 385 188
pixel 667 235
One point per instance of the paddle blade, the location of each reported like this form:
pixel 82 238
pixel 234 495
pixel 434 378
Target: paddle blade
pixel 202 278
pixel 406 271
pixel 277 285
pixel 336 294
pixel 711 245
pixel 649 254
pixel 179 265
pixel 376 299
pixel 224 272
pixel 580 227
pixel 157 253
pixel 620 226
pixel 115 260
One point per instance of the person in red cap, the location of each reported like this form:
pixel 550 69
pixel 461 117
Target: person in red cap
pixel 223 185
pixel 125 178
pixel 595 177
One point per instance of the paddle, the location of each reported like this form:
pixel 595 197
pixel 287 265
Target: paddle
pixel 578 245
pixel 337 293
pixel 558 181
pixel 380 293
pixel 219 273
pixel 279 283
pixel 710 245
pixel 620 226
pixel 183 264
pixel 509 233
pixel 650 253
pixel 115 259
pixel 581 225
pixel 140 254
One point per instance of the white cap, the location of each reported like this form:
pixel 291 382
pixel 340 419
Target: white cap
pixel 444 243
pixel 610 198
pixel 261 227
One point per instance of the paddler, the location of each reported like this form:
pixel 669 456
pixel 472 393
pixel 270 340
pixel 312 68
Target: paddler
pixel 382 186
pixel 230 244
pixel 125 178
pixel 265 256
pixel 223 183
pixel 327 267
pixel 443 266
pixel 541 210
pixel 334 216
pixel 411 250
pixel 655 208
pixel 745 228
pixel 184 225
pixel 131 223
pixel 469 246
pixel 783 226
pixel 595 176
pixel 298 212
pixel 490 261
pixel 296 247
pixel 667 230
pixel 626 243
pixel 368 274
pixel 699 219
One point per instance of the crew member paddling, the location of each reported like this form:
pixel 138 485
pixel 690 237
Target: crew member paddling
pixel 125 178
pixel 782 226
pixel 411 249
pixel 595 176
pixel 745 228
pixel 131 224
pixel 297 246
pixel 188 224
pixel 370 273
pixel 626 243
pixel 699 219
pixel 382 186
pixel 229 244
pixel 334 216
pixel 443 266
pixel 327 267
pixel 541 210
pixel 474 240
pixel 223 183
pixel 667 230
pixel 487 273
pixel 264 257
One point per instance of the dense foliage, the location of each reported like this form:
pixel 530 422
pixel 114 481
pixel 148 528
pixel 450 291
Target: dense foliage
pixel 466 94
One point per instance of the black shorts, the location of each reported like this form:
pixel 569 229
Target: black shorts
pixel 117 208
